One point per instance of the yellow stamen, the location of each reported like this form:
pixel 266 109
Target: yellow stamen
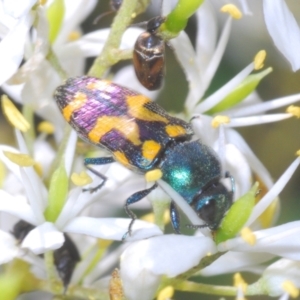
pixel 259 59
pixel 218 120
pixel 38 169
pixel 22 160
pixel 45 127
pixel 267 217
pixel 104 243
pixel 153 175
pixel 294 110
pixel 298 153
pixel 148 218
pixel 166 293
pixel 290 288
pixel 81 179
pixel 248 236
pixel 232 10
pixel 74 36
pixel 151 219
pixel 2 173
pixel 238 281
pixel 115 286
pixel 13 115
pixel 167 218
pixel 42 2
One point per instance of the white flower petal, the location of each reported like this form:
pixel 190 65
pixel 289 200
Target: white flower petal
pixel 17 206
pixel 17 8
pixel 75 13
pixel 184 206
pixel 283 29
pixel 218 54
pixel 221 93
pixel 92 43
pixel 245 7
pixel 158 254
pixel 138 284
pixel 143 262
pixel 126 77
pixel 70 151
pixel 259 169
pixel 256 120
pixel 238 167
pixel 12 48
pixel 33 192
pixel 204 130
pixel 112 228
pixel 207 33
pixel 43 238
pixel 280 240
pixel 277 273
pixel 233 261
pixel 8 247
pixel 187 58
pixel 262 205
pixel 265 106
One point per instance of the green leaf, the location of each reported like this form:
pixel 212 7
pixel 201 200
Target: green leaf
pixel 237 216
pixel 241 92
pixel 177 19
pixel 58 191
pixel 15 279
pixel 55 16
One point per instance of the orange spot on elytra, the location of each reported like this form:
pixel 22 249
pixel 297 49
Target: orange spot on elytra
pixel 137 109
pixel 150 149
pixel 124 125
pixel 175 130
pixel 78 101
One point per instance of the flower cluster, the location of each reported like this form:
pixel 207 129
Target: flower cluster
pixel 57 237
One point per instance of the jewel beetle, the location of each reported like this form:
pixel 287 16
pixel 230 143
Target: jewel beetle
pixel 65 258
pixel 140 135
pixel 149 56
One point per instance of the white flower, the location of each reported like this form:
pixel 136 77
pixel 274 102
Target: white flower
pixel 143 263
pixel 48 235
pixel 275 276
pixel 284 30
pixel 14 28
pixel 281 25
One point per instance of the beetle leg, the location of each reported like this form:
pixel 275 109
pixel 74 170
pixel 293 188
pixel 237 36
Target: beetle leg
pixel 97 161
pixel 175 217
pixel 133 199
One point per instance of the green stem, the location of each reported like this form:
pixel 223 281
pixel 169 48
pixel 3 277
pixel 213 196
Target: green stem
pixel 159 208
pixel 108 56
pixel 53 60
pixel 54 285
pixel 60 153
pixel 252 290
pixel 208 289
pixel 177 19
